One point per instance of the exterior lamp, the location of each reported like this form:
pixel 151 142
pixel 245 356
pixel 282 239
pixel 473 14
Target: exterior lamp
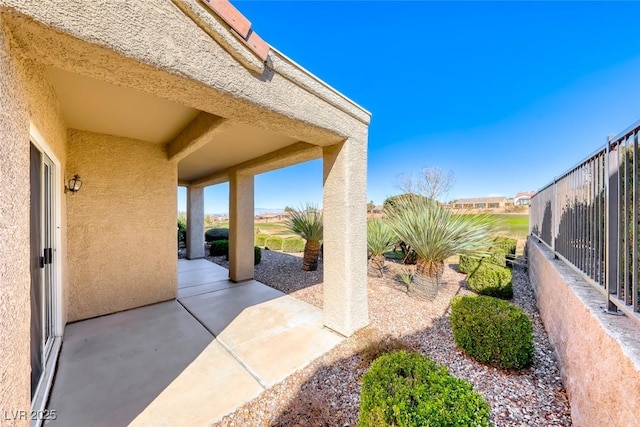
pixel 74 184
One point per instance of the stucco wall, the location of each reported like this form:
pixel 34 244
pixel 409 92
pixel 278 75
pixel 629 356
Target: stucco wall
pixel 121 225
pixel 14 235
pixel 599 354
pixel 25 96
pixel 45 115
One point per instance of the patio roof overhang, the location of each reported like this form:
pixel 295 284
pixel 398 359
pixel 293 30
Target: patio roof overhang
pixel 215 112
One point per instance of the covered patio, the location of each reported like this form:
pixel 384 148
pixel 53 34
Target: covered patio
pixel 189 361
pixel 135 99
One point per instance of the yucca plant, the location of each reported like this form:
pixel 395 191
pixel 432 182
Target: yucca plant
pixel 380 239
pixel 435 234
pixel 307 223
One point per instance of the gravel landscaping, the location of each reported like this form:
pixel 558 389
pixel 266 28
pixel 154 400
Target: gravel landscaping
pixel 327 392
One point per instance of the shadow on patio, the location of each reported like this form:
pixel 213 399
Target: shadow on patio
pixel 185 362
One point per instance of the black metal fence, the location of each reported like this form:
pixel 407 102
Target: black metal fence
pixel 589 218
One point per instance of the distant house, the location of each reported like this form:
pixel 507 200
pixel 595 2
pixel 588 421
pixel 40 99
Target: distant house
pixel 273 216
pixel 481 203
pixel 523 198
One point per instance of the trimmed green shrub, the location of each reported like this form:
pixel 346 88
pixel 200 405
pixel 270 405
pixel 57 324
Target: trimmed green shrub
pixel 407 389
pixel 506 245
pixel 492 331
pixel 492 280
pixel 260 239
pixel 257 255
pixel 273 243
pixel 216 234
pixel 182 232
pixel 469 264
pixel 293 244
pixel 219 248
pixel 375 344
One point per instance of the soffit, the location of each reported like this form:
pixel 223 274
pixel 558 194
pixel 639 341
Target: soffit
pixel 236 145
pixel 101 107
pixel 97 106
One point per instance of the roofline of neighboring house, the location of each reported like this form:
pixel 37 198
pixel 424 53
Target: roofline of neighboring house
pixel 471 199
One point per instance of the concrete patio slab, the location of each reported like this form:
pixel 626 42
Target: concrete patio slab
pixel 190 291
pixel 202 394
pixel 278 337
pixel 201 275
pixel 185 265
pixel 216 310
pixel 188 362
pixel 111 367
pixel 272 333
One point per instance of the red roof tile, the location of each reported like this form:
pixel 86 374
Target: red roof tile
pixel 241 26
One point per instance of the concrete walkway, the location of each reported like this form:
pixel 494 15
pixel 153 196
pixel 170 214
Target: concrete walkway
pixel 186 362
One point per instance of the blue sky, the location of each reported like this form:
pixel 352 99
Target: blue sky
pixel 506 95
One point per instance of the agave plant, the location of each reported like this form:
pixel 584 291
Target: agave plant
pixel 380 239
pixel 307 223
pixel 435 234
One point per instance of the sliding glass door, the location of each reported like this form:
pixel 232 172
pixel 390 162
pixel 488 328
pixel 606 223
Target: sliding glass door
pixel 42 235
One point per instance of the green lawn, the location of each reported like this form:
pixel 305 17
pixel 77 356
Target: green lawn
pixel 516 226
pixel 513 225
pixel 275 228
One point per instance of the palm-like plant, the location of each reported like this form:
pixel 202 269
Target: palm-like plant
pixel 380 239
pixel 307 223
pixel 435 234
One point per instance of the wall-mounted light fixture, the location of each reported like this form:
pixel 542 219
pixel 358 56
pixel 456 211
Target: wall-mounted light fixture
pixel 74 184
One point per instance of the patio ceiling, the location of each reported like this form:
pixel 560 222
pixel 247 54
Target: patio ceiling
pixel 238 144
pixel 98 106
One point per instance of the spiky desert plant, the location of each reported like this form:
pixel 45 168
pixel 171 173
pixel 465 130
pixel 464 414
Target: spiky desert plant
pixel 380 239
pixel 435 234
pixel 307 223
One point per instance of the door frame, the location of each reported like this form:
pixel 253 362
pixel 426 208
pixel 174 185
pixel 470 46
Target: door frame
pixel 51 354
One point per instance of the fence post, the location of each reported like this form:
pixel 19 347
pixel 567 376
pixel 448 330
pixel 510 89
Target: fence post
pixel 612 213
pixel 554 218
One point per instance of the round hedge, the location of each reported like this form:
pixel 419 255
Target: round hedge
pixel 257 255
pixel 407 389
pixel 273 243
pixel 221 247
pixel 506 245
pixel 261 238
pixel 216 234
pixel 469 264
pixel 491 280
pixel 492 331
pixel 293 244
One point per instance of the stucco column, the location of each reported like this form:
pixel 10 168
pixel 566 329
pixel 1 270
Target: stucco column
pixel 241 227
pixel 195 223
pixel 345 236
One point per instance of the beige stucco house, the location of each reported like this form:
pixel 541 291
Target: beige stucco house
pixel 137 98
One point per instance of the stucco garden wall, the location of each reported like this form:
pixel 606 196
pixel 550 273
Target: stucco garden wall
pixel 599 354
pixel 121 225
